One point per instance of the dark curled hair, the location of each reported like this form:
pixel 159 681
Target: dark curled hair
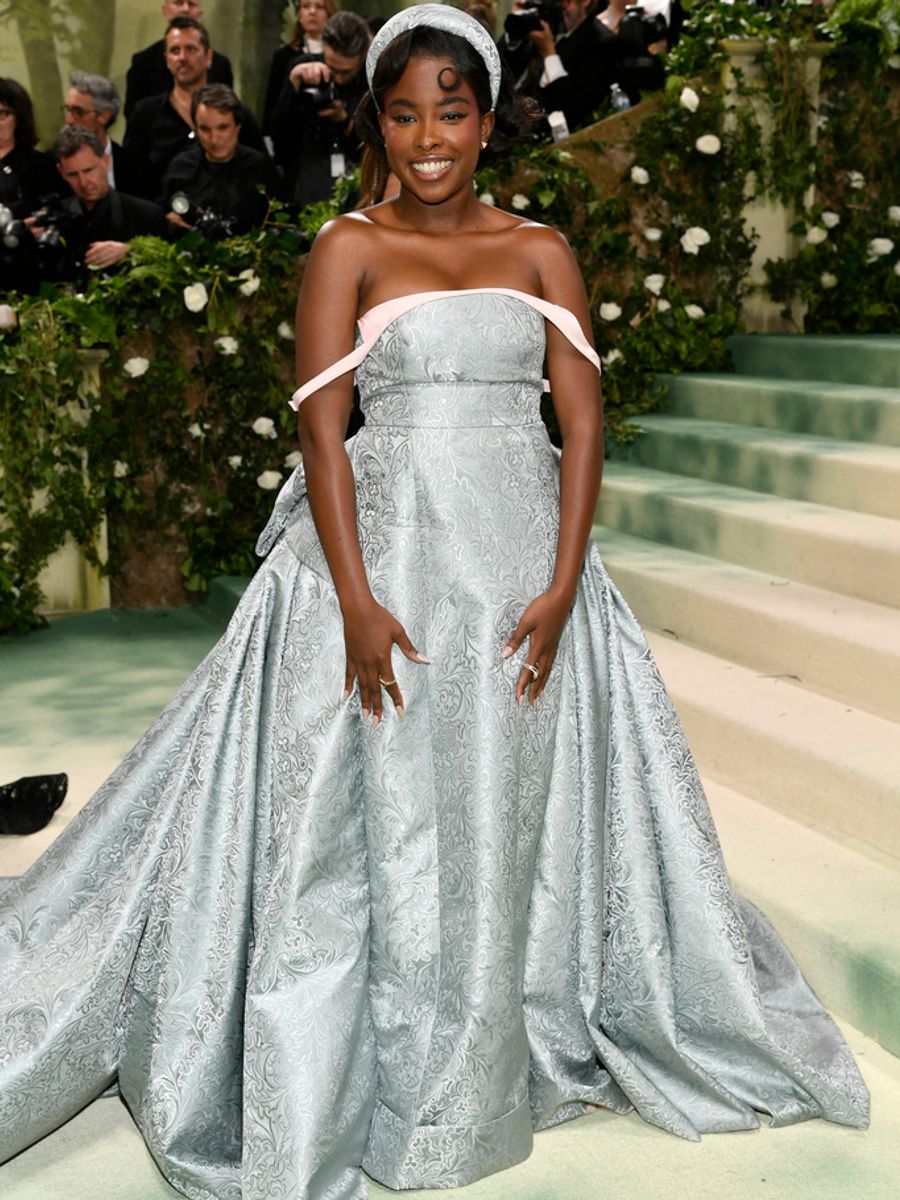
pixel 515 115
pixel 14 96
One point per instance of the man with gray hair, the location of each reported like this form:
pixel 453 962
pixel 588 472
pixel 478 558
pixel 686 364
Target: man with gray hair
pixel 93 103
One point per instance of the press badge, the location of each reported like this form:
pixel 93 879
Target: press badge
pixel 338 166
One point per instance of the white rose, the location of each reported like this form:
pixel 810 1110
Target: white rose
pixel 897 267
pixel 136 367
pixel 694 311
pixel 610 311
pixel 265 427
pixel 879 247
pixel 286 331
pixel 663 306
pixel 195 431
pixel 708 144
pixel 689 99
pixel 828 280
pixel 894 62
pixel 196 297
pixel 692 239
pixel 292 460
pixel 612 357
pixel 235 460
pixel 894 214
pixel 856 179
pixel 487 198
pixel 640 176
pixel 652 234
pixel 251 282
pixel 654 283
pixel 520 202
pixel 269 480
pixel 226 345
pixel 816 235
pixel 830 220
pixel 8 317
pixel 120 469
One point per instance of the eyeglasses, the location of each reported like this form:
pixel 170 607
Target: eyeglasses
pixel 77 111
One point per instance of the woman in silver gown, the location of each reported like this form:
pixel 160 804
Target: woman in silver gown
pixel 308 938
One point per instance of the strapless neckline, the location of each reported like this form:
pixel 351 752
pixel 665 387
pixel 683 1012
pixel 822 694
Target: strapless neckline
pixel 375 320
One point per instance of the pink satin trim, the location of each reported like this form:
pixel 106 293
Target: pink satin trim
pixel 373 323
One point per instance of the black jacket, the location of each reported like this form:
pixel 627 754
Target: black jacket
pixel 26 176
pixel 307 145
pixel 588 63
pixel 230 190
pixel 118 217
pixel 156 133
pixel 148 74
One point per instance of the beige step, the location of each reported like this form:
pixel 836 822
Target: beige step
pixel 837 645
pixel 835 908
pixel 852 553
pixel 823 763
pixel 823 470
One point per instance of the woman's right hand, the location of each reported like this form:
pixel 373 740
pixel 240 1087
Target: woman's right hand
pixel 370 634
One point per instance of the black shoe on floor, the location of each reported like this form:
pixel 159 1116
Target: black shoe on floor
pixel 29 804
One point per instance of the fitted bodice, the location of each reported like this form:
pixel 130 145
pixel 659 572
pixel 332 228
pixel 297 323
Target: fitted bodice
pixel 469 359
pixel 482 346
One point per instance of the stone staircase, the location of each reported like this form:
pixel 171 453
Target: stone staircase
pixel 755 530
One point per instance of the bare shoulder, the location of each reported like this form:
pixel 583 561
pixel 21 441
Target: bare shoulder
pixel 548 244
pixel 343 234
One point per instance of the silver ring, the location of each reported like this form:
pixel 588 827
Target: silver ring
pixel 530 667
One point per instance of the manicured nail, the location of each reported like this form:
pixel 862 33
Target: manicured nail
pixel 345 694
pixel 366 714
pixel 422 659
pixel 506 651
pixel 399 714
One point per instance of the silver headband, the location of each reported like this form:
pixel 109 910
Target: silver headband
pixel 438 16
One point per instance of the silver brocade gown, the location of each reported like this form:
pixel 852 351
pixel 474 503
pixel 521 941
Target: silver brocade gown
pixel 305 945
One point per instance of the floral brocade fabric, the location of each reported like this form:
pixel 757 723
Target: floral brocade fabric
pixel 307 948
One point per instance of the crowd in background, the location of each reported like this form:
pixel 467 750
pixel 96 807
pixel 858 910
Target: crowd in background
pixel 194 157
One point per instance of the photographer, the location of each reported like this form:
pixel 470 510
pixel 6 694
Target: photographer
pixel 637 36
pixel 161 126
pixel 92 228
pixel 218 180
pixel 552 52
pixel 312 124
pixel 26 174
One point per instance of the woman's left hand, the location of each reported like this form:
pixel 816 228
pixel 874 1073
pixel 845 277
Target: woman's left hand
pixel 542 623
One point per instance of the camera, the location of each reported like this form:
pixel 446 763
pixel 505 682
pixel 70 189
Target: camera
pixel 59 223
pixel 209 224
pixel 321 96
pixel 12 231
pixel 641 28
pixel 528 18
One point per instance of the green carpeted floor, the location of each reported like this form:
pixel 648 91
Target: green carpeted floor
pixel 76 696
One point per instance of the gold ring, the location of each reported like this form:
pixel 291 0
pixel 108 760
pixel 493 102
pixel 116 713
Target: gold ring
pixel 532 668
pixel 387 682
